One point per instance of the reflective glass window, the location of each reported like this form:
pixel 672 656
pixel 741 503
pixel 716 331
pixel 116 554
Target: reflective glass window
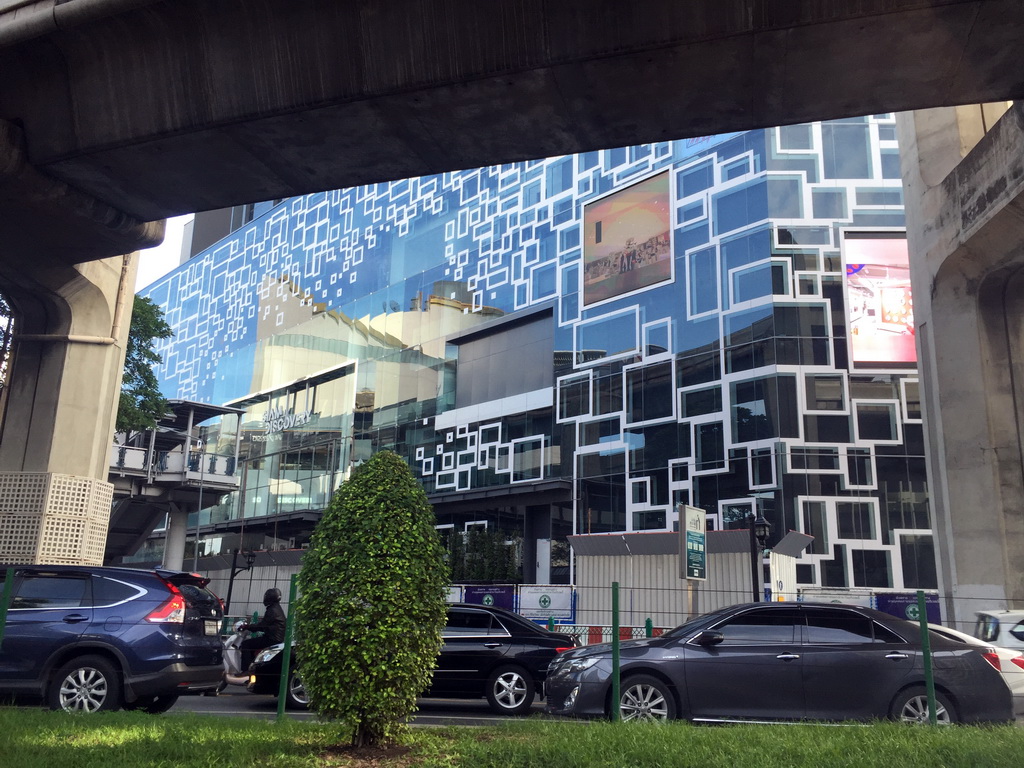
pixel 696 179
pixel 828 626
pixel 795 137
pixel 815 524
pixel 762 627
pixel 39 591
pixel 856 519
pixel 846 150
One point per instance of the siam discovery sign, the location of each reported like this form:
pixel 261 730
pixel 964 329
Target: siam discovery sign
pixel 277 420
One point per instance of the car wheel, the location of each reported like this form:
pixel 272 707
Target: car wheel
pixel 86 684
pixel 643 697
pixel 911 706
pixel 153 705
pixel 510 690
pixel 295 696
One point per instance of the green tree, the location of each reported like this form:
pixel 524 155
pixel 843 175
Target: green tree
pixel 372 602
pixel 141 403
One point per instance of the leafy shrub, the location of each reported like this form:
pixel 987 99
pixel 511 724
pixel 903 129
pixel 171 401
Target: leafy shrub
pixel 373 586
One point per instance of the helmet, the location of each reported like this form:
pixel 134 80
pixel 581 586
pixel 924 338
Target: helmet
pixel 272 595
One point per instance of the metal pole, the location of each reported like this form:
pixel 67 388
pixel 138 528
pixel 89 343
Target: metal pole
pixel 231 580
pixel 199 512
pixel 755 565
pixel 616 703
pixel 286 652
pixel 926 655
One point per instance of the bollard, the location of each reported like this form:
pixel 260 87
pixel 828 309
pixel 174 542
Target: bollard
pixel 649 628
pixel 616 703
pixel 286 651
pixel 926 657
pixel 551 623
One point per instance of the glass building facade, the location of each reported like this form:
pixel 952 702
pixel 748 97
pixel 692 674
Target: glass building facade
pixel 580 344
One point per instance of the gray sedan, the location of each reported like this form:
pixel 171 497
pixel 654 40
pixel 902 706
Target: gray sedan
pixel 781 661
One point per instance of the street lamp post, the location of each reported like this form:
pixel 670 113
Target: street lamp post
pixel 760 530
pixel 250 558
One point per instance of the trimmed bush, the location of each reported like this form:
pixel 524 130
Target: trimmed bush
pixel 373 592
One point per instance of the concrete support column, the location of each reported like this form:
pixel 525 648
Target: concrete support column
pixel 62 390
pixel 177 533
pixel 964 190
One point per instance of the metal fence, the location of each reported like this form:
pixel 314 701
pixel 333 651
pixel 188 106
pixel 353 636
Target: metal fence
pixel 642 609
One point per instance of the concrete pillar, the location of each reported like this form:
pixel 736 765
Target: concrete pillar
pixel 964 179
pixel 177 533
pixel 63 385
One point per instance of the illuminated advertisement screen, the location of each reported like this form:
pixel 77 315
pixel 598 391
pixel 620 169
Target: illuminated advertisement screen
pixel 880 306
pixel 627 242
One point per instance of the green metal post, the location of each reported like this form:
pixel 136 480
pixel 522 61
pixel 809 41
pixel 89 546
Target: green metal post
pixel 926 653
pixel 5 600
pixel 286 652
pixel 616 714
pixel 649 627
pixel 551 623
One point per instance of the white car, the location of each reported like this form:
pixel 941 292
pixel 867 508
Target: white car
pixel 1002 628
pixel 1008 661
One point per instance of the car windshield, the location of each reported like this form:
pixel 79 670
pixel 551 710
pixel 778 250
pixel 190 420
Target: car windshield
pixel 1018 631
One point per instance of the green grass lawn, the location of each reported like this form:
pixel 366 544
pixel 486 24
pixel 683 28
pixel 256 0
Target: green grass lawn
pixel 42 739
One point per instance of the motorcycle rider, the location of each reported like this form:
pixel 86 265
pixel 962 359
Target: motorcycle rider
pixel 271 625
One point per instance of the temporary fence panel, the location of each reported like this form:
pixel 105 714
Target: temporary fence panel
pixel 649 588
pixel 729 582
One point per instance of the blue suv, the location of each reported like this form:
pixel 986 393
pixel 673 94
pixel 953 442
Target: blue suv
pixel 91 638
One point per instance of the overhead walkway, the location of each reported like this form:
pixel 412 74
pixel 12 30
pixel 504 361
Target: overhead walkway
pixel 165 474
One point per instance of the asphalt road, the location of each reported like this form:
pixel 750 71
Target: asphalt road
pixel 235 701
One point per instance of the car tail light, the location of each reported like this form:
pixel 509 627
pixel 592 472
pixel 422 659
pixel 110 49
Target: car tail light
pixel 563 650
pixel 171 612
pixel 992 658
pixel 1018 661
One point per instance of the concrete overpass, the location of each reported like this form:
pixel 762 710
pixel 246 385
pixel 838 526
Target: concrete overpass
pixel 115 113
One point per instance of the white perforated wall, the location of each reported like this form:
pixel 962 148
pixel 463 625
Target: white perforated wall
pixel 51 518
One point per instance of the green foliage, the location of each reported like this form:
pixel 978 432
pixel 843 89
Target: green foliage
pixel 141 403
pixel 372 602
pixel 484 555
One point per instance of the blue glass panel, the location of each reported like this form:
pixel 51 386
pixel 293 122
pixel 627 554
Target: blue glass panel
pixel 703 281
pixel 740 207
pixel 846 150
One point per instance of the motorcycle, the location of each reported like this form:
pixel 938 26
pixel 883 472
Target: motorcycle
pixel 233 672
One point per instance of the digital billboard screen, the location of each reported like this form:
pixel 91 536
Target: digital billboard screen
pixel 879 302
pixel 627 243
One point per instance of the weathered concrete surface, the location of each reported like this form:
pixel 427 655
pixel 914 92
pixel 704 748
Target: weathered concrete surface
pixel 158 108
pixel 66 365
pixel 966 230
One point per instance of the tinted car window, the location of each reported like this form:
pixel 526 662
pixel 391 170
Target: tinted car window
pixel 196 595
pixel 987 629
pixel 837 626
pixel 110 592
pixel 472 623
pixel 50 592
pixel 761 627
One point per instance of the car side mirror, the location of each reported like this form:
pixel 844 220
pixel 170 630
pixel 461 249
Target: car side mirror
pixel 708 637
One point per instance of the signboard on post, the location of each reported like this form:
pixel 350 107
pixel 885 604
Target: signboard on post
pixel 545 601
pixel 693 552
pixel 501 596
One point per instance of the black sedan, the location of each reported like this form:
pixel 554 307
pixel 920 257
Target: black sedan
pixel 781 661
pixel 488 652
